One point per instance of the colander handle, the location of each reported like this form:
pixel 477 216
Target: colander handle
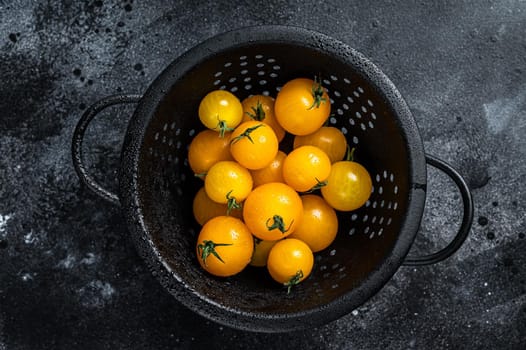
pixel 78 138
pixel 467 218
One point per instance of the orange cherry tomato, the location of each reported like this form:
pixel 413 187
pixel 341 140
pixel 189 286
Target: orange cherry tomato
pixel 228 182
pixel 205 209
pixel 253 144
pixel 221 111
pixel 290 261
pixel 348 187
pixel 306 168
pixel 271 173
pixel 261 108
pixel 272 211
pixel 224 246
pixel 302 106
pixel 206 149
pixel 329 139
pixel 261 250
pixel 319 224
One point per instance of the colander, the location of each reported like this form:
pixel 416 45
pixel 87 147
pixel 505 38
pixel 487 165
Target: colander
pixel 156 185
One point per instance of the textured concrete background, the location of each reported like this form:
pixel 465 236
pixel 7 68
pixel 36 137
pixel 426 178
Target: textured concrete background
pixel 69 275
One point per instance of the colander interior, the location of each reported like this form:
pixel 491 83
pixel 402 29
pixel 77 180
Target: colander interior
pixel 166 185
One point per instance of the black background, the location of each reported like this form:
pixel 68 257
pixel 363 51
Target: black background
pixel 69 275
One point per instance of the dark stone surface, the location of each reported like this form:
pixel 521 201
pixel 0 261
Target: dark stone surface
pixel 70 277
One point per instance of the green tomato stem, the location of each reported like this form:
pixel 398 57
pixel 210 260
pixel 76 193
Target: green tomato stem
pixel 350 154
pixel 246 134
pixel 222 127
pixel 232 203
pixel 278 224
pixel 294 280
pixel 318 185
pixel 259 113
pixel 317 93
pixel 208 247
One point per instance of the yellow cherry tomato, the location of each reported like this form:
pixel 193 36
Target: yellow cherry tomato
pixel 205 209
pixel 221 111
pixel 253 144
pixel 261 108
pixel 271 173
pixel 306 168
pixel 206 149
pixel 327 138
pixel 290 261
pixel 228 182
pixel 319 224
pixel 224 246
pixel 272 211
pixel 261 250
pixel 302 106
pixel 348 187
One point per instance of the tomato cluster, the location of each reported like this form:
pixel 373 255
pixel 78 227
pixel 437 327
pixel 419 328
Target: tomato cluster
pixel 260 205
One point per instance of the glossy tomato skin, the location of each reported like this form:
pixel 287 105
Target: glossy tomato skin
pixel 261 251
pixel 253 144
pixel 296 108
pixel 289 258
pixel 305 168
pixel 230 240
pixel 220 110
pixel 319 224
pixel 329 139
pixel 261 108
pixel 273 172
pixel 206 149
pixel 269 204
pixel 228 179
pixel 348 187
pixel 205 209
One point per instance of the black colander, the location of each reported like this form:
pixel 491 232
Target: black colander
pixel 157 185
